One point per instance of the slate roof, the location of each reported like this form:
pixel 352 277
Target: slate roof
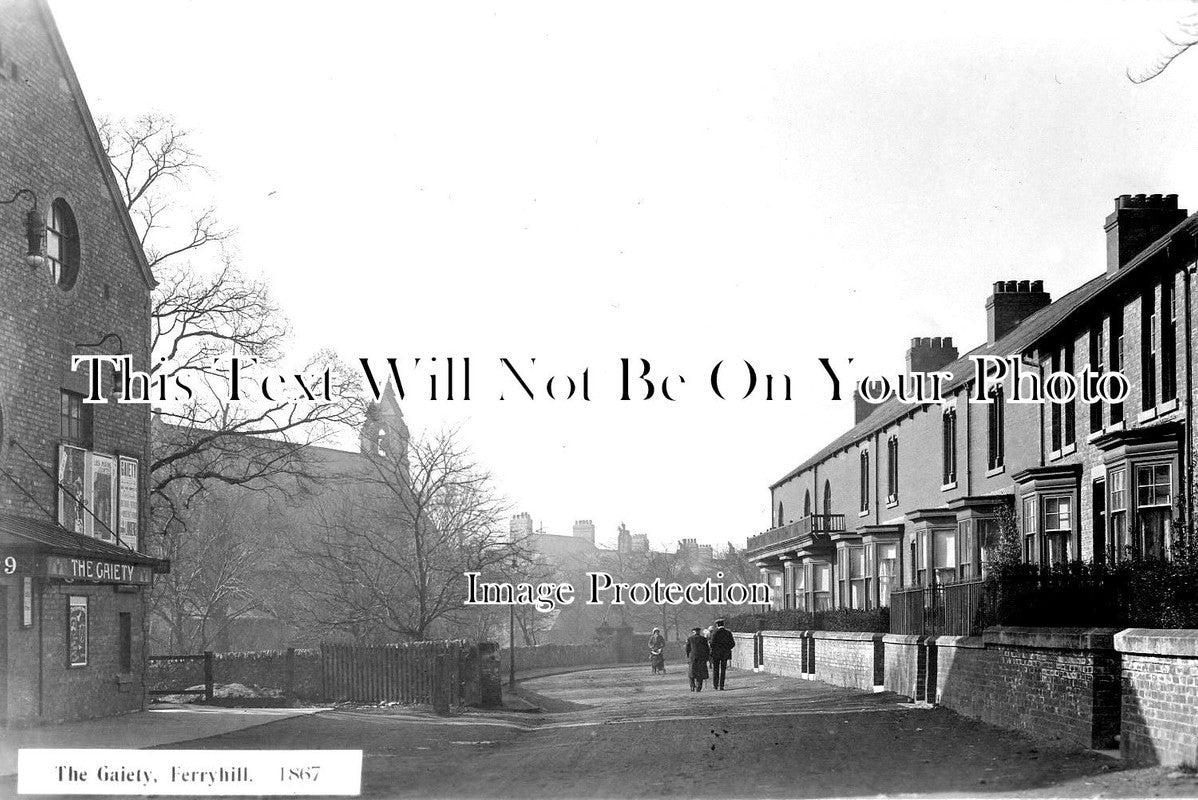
pixel 1023 337
pixel 52 537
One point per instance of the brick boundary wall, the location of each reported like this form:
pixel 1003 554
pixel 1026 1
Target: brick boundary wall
pixel 1058 683
pixel 784 652
pixel 746 653
pixel 545 656
pixel 1061 683
pixel 850 659
pixel 1159 718
pixel 905 670
pixel 266 669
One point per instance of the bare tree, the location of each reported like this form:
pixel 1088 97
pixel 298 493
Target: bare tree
pixel 151 155
pixel 388 554
pixel 204 307
pixel 214 559
pixel 1178 35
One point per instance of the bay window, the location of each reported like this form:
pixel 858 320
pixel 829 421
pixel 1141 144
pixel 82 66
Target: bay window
pixel 822 574
pixel 1030 529
pixel 1154 505
pixel 887 571
pixel 1117 542
pixel 945 554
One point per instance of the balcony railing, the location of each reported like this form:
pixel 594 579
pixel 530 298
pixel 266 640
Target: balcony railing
pixel 812 524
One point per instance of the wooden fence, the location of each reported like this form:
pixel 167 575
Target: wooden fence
pixel 443 673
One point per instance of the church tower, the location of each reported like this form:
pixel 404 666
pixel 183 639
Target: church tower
pixel 384 433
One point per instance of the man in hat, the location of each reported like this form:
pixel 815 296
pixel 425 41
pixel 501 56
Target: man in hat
pixel 722 643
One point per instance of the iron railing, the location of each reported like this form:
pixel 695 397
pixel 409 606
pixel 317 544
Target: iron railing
pixel 942 609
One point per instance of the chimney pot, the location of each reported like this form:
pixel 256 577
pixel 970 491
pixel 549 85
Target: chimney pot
pixel 1136 223
pixel 1012 303
pixel 928 354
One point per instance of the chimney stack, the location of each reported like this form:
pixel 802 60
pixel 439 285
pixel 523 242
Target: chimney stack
pixel 1012 303
pixel 585 529
pixel 930 354
pixel 1138 222
pixel 861 408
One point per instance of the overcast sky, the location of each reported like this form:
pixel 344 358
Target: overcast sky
pixel 680 182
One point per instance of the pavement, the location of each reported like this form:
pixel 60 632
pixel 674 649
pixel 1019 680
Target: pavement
pixel 159 726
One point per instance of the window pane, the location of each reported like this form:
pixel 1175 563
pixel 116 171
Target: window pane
pixel 1058 514
pixel 1118 484
pixel 823 577
pixel 946 549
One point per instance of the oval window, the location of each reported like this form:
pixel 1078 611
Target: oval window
pixel 62 244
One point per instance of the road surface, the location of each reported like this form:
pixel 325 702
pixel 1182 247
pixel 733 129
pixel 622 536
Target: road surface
pixel 625 733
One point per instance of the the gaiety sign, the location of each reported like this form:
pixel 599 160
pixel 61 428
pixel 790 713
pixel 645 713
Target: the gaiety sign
pixel 95 570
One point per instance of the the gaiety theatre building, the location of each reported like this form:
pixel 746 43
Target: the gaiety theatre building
pixel 74 579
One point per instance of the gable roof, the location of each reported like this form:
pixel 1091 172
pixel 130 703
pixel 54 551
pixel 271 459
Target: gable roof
pixel 93 137
pixel 1024 336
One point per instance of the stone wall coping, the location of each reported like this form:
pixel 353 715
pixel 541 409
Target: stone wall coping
pixel 903 638
pixel 848 636
pixel 1051 638
pixel 743 635
pixel 969 642
pixel 1175 642
pixel 787 634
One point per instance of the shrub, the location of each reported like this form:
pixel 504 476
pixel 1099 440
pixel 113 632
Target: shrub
pixel 1135 593
pixel 875 620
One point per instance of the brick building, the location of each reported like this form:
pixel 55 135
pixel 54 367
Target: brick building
pixel 72 489
pixel 912 494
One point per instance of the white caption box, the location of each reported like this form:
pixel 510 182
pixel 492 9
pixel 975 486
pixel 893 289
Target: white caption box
pixel 190 772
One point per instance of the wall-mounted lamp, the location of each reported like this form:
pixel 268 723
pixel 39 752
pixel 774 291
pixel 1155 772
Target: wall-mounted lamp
pixel 35 228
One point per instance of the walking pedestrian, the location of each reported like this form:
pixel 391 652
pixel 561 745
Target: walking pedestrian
pixel 722 642
pixel 697 652
pixel 657 647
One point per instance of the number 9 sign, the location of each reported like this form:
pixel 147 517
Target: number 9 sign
pixel 10 565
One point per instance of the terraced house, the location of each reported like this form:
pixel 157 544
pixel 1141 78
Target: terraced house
pixel 911 494
pixel 73 571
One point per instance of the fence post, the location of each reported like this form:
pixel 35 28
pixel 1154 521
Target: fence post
pixel 289 688
pixel 208 675
pixel 440 685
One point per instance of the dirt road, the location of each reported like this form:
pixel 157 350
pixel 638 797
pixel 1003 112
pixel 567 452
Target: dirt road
pixel 625 733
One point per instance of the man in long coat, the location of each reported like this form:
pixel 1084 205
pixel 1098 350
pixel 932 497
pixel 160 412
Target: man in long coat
pixel 697 653
pixel 722 643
